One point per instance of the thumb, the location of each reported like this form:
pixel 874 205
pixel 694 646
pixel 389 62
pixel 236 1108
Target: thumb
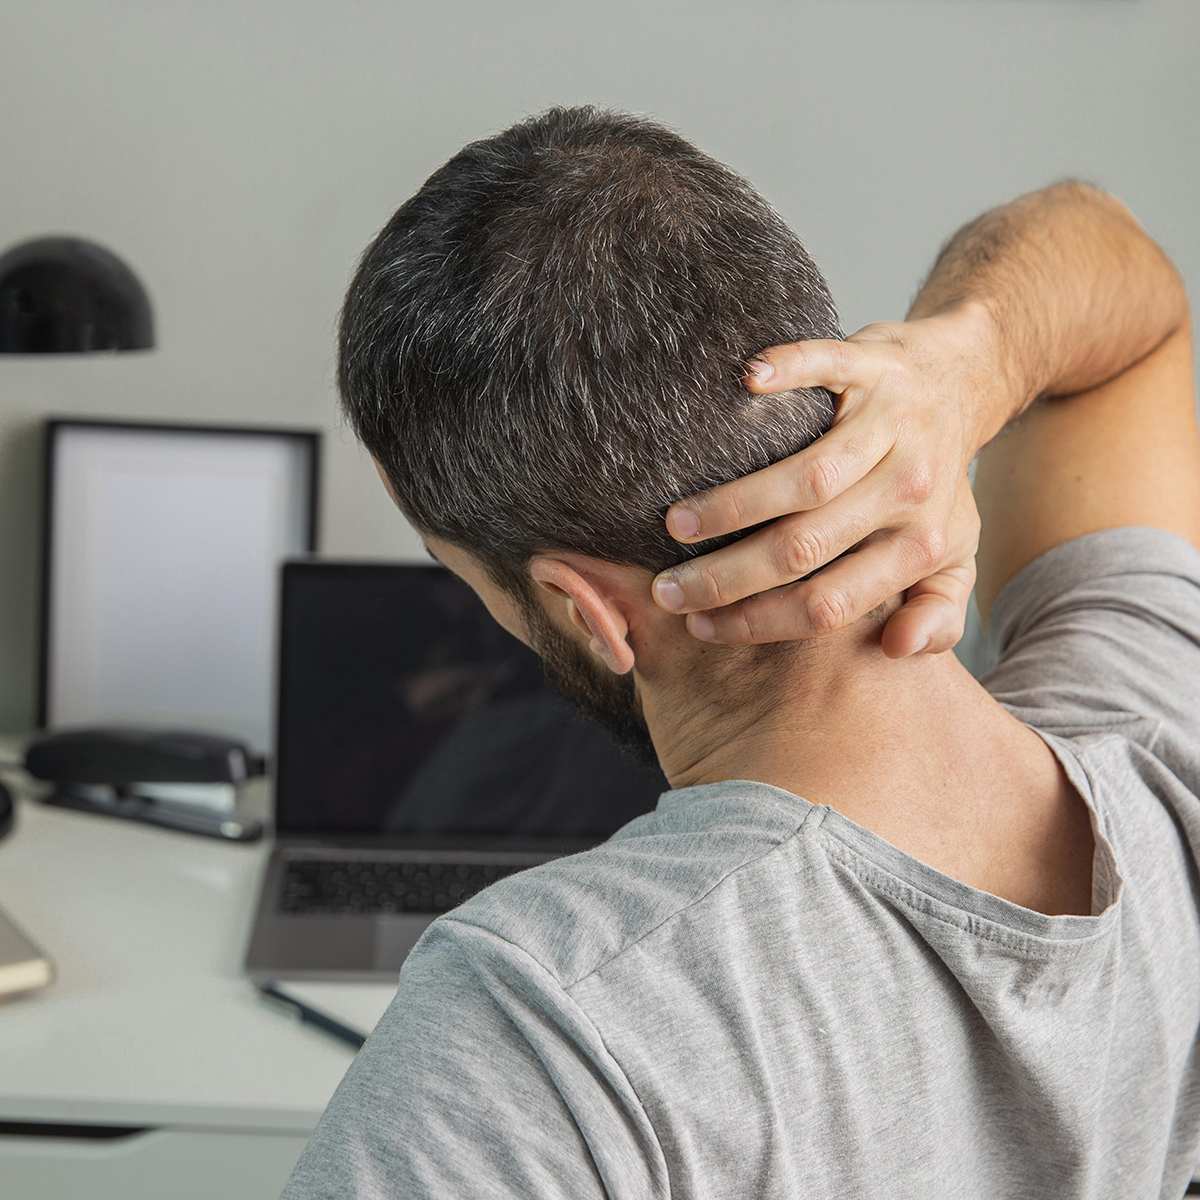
pixel 934 612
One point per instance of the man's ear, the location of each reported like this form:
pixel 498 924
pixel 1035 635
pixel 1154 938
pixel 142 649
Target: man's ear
pixel 593 613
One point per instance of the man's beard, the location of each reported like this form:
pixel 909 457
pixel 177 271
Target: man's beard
pixel 609 699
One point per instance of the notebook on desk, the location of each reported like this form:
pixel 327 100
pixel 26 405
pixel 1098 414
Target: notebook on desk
pixel 23 966
pixel 419 757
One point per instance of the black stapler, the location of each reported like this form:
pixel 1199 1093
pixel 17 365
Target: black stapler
pixel 145 775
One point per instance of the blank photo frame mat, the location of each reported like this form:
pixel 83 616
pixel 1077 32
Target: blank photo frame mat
pixel 163 546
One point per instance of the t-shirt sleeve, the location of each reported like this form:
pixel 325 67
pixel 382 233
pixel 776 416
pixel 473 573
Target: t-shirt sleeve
pixel 1102 634
pixel 482 1079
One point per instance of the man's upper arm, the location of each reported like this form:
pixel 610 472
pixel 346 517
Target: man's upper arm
pixel 1102 635
pixel 445 1099
pixel 1126 453
pixel 482 1079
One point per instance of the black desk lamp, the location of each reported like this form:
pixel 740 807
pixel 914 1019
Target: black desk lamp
pixel 62 295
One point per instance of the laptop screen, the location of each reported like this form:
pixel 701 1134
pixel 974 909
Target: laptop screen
pixel 405 709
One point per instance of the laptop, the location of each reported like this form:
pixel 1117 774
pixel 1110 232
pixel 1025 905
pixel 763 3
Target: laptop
pixel 420 756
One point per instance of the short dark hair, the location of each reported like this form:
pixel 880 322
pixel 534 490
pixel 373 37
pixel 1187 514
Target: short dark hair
pixel 544 347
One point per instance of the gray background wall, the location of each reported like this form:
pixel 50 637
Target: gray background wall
pixel 240 153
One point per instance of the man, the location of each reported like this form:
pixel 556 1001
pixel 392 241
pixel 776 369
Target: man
pixel 890 933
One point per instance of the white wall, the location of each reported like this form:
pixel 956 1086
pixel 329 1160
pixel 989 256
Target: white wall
pixel 240 153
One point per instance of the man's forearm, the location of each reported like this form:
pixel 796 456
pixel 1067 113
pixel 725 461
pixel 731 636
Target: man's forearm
pixel 1066 287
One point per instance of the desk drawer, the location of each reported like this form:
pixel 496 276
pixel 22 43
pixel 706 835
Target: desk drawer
pixel 184 1164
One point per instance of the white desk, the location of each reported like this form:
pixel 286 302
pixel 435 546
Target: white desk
pixel 150 1022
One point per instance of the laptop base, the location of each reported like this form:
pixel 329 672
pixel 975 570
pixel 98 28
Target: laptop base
pixel 344 947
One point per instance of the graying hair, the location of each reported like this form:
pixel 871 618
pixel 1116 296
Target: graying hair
pixel 544 347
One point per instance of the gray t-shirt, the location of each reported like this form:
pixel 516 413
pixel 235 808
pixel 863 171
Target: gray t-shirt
pixel 742 994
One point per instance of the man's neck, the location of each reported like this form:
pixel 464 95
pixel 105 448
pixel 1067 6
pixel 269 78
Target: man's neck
pixel 914 750
pixel 836 723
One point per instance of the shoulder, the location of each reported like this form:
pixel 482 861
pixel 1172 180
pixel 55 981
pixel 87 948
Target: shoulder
pixel 1141 570
pixel 575 914
pixel 1102 635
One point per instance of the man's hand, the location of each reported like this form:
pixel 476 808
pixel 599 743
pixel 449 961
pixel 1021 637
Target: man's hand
pixel 1052 296
pixel 885 489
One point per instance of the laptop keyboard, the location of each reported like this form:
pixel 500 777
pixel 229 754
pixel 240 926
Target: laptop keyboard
pixel 320 886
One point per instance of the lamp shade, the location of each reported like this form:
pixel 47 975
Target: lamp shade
pixel 66 295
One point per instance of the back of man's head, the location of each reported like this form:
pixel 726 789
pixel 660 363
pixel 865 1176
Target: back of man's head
pixel 544 347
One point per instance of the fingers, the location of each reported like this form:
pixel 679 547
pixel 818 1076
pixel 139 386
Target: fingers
pixel 786 550
pixel 825 469
pixel 881 485
pixel 802 482
pixel 822 362
pixel 828 602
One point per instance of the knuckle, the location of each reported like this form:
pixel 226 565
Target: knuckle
pixel 919 482
pixel 821 479
pixel 800 553
pixel 842 359
pixel 744 631
pixel 930 547
pixel 826 612
pixel 704 587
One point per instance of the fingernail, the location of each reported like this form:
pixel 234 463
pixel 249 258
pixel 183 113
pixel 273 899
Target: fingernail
pixel 760 369
pixel 682 523
pixel 701 627
pixel 668 594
